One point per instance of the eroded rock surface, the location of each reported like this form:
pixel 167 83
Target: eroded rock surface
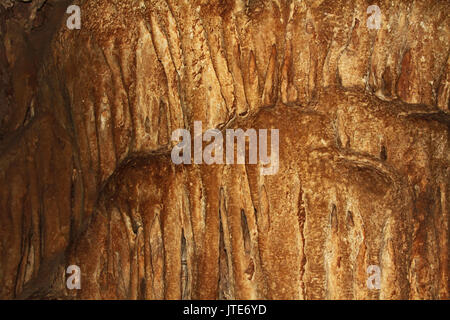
pixel 86 119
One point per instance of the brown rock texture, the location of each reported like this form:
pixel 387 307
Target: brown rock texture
pixel 86 117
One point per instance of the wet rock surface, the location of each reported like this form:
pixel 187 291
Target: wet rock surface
pixel 86 118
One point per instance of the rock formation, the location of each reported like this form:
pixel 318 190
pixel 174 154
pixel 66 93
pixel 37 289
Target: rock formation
pixel 86 117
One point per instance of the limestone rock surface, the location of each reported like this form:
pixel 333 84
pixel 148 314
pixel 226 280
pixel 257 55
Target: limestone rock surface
pixel 86 118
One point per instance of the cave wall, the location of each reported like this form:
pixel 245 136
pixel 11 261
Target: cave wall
pixel 86 118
